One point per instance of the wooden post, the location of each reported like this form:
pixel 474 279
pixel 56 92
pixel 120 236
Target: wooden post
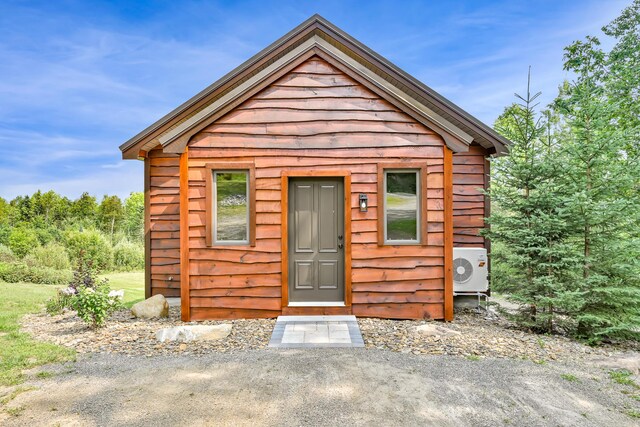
pixel 448 234
pixel 184 236
pixel 147 227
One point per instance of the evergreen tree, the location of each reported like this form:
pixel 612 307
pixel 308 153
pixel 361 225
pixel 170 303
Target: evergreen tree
pixel 601 179
pixel 529 222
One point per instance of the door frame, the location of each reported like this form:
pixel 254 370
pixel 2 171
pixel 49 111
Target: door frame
pixel 326 173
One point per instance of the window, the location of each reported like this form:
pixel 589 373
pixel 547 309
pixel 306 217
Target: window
pixel 401 206
pixel 231 195
pixel 402 203
pixel 230 204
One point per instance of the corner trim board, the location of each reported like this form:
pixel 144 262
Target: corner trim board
pixel 147 227
pixel 184 237
pixel 448 234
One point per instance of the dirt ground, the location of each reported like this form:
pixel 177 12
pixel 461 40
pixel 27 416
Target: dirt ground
pixel 320 387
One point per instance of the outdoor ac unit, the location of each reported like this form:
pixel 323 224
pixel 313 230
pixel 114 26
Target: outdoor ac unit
pixel 470 270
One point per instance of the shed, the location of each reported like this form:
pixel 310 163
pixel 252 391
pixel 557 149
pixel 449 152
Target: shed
pixel 315 178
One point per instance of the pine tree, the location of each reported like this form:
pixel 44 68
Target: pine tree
pixel 528 225
pixel 601 179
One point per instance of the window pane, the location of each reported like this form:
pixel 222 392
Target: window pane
pixel 401 203
pixel 231 206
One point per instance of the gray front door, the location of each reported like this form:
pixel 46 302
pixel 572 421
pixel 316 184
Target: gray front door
pixel 316 240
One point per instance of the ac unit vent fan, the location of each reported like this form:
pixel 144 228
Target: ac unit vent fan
pixel 462 270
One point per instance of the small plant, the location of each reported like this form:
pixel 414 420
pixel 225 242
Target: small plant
pixel 623 377
pixel 95 305
pixel 569 377
pixel 541 343
pixel 63 300
pixel 17 411
pixel 45 374
pixel 92 299
pixel 473 357
pixel 633 414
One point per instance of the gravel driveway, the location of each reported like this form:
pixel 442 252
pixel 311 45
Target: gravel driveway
pixel 321 387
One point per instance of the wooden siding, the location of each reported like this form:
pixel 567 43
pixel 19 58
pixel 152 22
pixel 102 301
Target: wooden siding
pixel 468 200
pixel 316 118
pixel 164 215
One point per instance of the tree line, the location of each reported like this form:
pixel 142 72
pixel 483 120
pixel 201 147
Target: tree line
pixel 44 235
pixel 565 225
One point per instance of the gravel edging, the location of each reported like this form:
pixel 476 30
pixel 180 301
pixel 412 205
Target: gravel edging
pixel 475 336
pixel 125 334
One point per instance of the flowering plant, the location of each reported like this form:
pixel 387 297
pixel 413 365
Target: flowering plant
pixel 95 305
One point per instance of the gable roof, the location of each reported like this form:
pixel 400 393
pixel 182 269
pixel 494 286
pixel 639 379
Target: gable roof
pixel 316 36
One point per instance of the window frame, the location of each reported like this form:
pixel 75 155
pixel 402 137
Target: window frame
pixel 211 208
pixel 421 209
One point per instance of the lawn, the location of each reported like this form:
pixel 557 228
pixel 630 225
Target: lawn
pixel 131 282
pixel 17 350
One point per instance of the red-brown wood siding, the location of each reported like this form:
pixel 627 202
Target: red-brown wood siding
pixel 164 209
pixel 468 199
pixel 315 118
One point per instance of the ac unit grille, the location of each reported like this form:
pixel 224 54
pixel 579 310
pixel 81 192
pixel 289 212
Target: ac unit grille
pixel 462 270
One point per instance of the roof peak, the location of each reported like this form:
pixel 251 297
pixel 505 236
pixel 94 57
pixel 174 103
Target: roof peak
pixel 377 64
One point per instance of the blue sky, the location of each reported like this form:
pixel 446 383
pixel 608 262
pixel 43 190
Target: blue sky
pixel 78 78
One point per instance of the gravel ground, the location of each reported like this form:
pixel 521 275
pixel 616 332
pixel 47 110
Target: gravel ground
pixel 475 336
pixel 125 334
pixel 320 387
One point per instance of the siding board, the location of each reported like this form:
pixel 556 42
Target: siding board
pixel 314 118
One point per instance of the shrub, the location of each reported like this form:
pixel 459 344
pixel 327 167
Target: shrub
pixel 128 256
pixel 89 246
pixel 20 272
pixel 6 254
pixel 83 277
pixel 52 255
pixel 22 240
pixel 95 305
pixel 63 300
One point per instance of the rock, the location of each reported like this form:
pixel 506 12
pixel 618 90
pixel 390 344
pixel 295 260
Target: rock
pixel 433 330
pixel 194 332
pixel 156 306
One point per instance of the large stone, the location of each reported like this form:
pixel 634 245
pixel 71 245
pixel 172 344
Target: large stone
pixel 194 333
pixel 156 306
pixel 432 329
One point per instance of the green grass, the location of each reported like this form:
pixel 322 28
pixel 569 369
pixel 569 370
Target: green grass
pixel 569 377
pixel 623 377
pixel 44 375
pixel 18 351
pixel 633 414
pixel 131 282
